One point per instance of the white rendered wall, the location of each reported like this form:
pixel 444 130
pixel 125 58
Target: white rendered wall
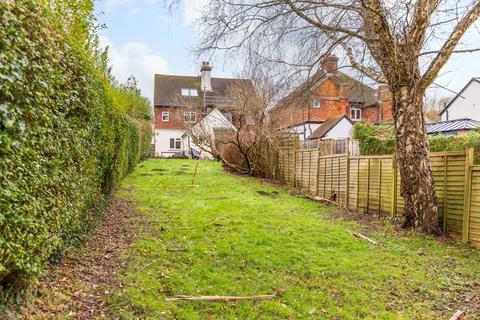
pixel 342 129
pixel 466 107
pixel 162 142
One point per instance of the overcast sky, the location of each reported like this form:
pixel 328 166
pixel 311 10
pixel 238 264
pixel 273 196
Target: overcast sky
pixel 145 39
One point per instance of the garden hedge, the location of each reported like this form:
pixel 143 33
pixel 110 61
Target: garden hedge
pixel 68 133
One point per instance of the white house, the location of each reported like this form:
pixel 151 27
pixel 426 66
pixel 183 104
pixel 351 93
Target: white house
pixel 204 131
pixel 466 105
pixel 171 94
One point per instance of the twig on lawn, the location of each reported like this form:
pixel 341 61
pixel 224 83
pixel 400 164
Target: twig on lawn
pixel 315 198
pixel 457 315
pixel 215 222
pixel 176 249
pixel 359 235
pixel 220 298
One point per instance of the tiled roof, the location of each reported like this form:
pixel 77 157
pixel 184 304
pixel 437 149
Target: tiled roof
pixel 452 126
pixel 359 92
pixel 321 131
pixel 167 88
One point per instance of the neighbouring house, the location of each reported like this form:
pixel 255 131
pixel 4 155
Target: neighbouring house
pixel 330 93
pixel 465 105
pixel 170 95
pixel 338 127
pixel 453 127
pixel 206 131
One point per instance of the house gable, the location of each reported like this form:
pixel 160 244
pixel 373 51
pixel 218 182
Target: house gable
pixel 466 103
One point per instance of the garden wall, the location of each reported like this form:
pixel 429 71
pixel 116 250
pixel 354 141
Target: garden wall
pixel 372 184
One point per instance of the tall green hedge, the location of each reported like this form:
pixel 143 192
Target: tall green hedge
pixel 380 139
pixel 68 134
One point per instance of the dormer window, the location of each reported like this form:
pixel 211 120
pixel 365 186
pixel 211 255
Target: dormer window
pixel 189 92
pixel 356 114
pixel 316 103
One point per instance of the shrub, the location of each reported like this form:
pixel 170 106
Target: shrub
pixel 68 134
pixel 380 139
pixel 374 139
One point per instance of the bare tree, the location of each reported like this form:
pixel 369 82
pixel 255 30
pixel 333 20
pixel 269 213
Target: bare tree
pixel 433 105
pixel 400 43
pixel 236 129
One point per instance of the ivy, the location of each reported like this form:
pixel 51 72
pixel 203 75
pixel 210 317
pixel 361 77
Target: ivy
pixel 68 133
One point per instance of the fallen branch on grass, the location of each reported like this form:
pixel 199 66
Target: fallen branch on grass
pixel 315 198
pixel 457 315
pixel 361 236
pixel 176 249
pixel 220 298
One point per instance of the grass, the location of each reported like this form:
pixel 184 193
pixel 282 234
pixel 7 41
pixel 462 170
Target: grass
pixel 238 241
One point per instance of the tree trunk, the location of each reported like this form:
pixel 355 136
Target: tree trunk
pixel 417 186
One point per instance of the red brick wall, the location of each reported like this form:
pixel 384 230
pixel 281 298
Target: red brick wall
pixel 332 103
pixel 375 114
pixel 175 120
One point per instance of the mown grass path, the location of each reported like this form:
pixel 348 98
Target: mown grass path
pixel 234 235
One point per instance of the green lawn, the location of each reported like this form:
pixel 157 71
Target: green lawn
pixel 237 241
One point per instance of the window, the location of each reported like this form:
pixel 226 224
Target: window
pixel 316 103
pixel 355 113
pixel 190 116
pixel 229 116
pixel 189 92
pixel 175 143
pixel 165 116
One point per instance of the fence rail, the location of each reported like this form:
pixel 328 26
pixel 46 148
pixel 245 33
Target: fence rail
pixel 372 184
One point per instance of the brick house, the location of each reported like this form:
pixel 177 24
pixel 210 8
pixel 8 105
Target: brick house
pixel 170 114
pixel 331 93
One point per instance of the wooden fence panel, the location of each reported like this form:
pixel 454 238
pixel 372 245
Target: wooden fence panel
pixel 474 207
pixel 372 184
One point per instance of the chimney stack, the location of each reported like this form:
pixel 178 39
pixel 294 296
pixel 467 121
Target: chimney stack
pixel 384 94
pixel 206 77
pixel 330 64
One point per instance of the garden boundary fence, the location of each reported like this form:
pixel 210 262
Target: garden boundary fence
pixel 372 184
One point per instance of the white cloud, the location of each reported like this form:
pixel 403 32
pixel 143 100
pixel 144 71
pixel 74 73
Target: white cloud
pixel 135 58
pixel 192 10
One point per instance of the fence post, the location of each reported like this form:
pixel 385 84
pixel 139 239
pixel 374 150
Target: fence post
pixel 468 187
pixel 393 208
pixel 295 165
pixel 445 170
pixel 318 171
pixel 380 185
pixel 368 186
pixel 347 185
pixel 309 169
pixel 358 183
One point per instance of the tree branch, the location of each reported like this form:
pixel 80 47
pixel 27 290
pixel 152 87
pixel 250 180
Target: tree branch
pixel 448 47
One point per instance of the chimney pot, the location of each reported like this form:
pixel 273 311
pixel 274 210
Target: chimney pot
pixel 330 64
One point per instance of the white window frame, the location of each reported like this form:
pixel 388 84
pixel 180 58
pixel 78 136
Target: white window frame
pixel 316 103
pixel 189 92
pixel 355 113
pixel 175 141
pixel 165 116
pixel 190 116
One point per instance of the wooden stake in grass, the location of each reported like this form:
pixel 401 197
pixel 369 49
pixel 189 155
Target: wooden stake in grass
pixel 457 315
pixel 196 169
pixel 219 298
